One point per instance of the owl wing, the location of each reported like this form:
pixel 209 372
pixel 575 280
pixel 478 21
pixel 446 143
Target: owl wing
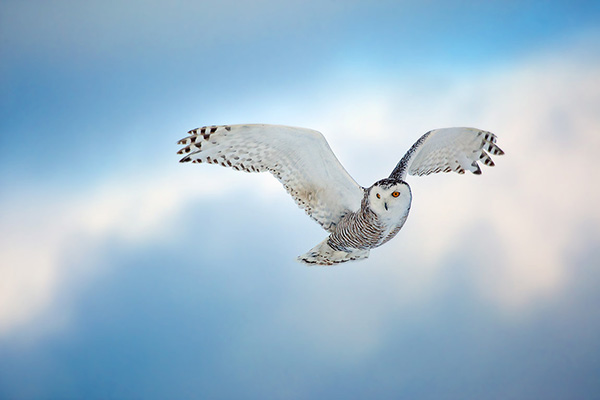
pixel 448 149
pixel 299 158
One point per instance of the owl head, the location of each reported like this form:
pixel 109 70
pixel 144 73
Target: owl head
pixel 389 198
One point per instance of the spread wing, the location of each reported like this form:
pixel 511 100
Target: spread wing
pixel 448 149
pixel 299 158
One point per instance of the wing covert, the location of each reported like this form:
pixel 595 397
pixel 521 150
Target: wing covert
pixel 446 150
pixel 299 158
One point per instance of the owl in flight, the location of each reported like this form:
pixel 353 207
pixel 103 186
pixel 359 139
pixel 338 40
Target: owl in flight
pixel 357 218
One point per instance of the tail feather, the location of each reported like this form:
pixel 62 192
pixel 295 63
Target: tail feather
pixel 323 254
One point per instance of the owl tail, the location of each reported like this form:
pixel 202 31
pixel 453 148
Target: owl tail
pixel 323 254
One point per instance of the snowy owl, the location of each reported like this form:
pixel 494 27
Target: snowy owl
pixel 357 218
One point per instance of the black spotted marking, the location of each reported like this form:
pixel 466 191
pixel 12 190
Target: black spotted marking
pixel 488 161
pixel 188 148
pixel 227 128
pixel 185 159
pixel 213 129
pixel 206 136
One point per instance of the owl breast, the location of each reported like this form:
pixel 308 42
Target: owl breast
pixel 363 230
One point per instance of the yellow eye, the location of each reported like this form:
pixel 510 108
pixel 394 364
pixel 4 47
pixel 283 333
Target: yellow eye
pixel 378 196
pixel 396 194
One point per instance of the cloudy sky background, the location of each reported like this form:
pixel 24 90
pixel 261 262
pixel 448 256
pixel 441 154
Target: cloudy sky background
pixel 124 274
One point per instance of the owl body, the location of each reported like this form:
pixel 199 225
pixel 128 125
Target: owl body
pixel 357 218
pixel 383 211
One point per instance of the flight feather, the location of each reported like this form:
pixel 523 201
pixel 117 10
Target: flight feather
pixel 299 158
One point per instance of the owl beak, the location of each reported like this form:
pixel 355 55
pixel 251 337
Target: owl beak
pixel 385 205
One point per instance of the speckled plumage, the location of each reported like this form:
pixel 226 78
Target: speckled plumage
pixel 357 218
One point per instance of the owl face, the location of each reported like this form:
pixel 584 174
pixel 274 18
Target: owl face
pixel 390 199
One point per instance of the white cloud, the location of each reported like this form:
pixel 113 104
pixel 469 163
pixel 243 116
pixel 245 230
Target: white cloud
pixel 38 234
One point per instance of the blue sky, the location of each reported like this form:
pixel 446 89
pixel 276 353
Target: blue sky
pixel 124 274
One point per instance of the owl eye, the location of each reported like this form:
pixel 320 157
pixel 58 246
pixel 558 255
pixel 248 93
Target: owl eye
pixel 396 194
pixel 378 196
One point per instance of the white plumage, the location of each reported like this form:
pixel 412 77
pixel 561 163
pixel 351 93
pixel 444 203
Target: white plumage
pixel 357 218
